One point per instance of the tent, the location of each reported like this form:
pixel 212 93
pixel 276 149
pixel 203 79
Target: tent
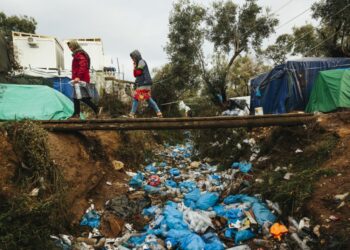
pixel 331 91
pixel 34 102
pixel 287 87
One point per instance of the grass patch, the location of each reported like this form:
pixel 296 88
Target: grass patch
pixel 26 222
pixel 305 167
pixel 221 145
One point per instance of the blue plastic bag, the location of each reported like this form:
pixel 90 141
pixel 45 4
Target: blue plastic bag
pixel 136 181
pixel 262 213
pixel 220 210
pixel 239 198
pixel 191 198
pixel 162 165
pixel 171 183
pixel 171 204
pixel 151 211
pixel 174 172
pixel 207 200
pixel 243 235
pixel 192 242
pixel 91 219
pixel 176 223
pixel 215 179
pixel 174 236
pixel 234 214
pixel 150 168
pixel 243 167
pixel 212 242
pixel 187 186
pixel 171 211
pixel 193 195
pixel 137 240
pixel 151 190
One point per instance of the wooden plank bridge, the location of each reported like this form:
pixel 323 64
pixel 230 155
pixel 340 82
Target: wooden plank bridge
pixel 294 119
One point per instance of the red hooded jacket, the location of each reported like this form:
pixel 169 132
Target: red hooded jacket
pixel 80 66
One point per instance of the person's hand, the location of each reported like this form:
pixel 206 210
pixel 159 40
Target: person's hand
pixel 76 80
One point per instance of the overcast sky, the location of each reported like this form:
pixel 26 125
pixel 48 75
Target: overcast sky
pixel 125 25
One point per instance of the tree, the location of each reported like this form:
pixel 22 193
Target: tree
pixel 185 40
pixel 331 38
pixel 233 30
pixel 334 17
pixel 303 41
pixel 17 23
pixel 279 51
pixel 243 69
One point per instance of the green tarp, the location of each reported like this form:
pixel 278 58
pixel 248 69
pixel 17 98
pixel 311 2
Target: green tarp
pixel 34 102
pixel 331 91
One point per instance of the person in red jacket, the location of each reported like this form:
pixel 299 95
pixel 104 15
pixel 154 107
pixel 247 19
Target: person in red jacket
pixel 81 78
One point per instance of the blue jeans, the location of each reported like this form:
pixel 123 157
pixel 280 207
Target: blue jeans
pixel 151 103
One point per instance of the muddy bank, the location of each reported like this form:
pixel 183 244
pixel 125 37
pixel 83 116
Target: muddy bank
pixel 85 163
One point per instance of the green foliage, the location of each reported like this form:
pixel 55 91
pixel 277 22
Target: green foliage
pixel 30 144
pixel 305 167
pixel 334 16
pixel 220 144
pixel 17 23
pixel 279 51
pixel 235 29
pixel 331 38
pixel 26 222
pixel 167 91
pixel 185 41
pixel 232 29
pixel 302 42
pixel 113 106
pixel 244 68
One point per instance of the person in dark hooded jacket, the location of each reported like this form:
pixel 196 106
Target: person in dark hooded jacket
pixel 143 83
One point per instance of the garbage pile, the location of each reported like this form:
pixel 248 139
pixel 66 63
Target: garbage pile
pixel 176 203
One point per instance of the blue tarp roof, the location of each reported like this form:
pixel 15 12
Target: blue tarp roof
pixel 288 86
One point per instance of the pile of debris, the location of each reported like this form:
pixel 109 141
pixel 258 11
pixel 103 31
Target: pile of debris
pixel 175 203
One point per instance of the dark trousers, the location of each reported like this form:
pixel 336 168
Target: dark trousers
pixel 85 100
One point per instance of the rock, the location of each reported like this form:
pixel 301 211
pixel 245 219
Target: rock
pixel 259 181
pixel 341 197
pixel 287 176
pixel 118 165
pixel 298 151
pixel 34 192
pixel 137 195
pixel 342 204
pixel 111 225
pixel 316 231
pixel 195 164
pixel 334 218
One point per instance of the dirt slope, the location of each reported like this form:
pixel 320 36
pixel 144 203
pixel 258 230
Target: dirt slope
pixel 85 160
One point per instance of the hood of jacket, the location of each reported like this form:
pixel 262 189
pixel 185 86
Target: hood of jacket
pixel 136 55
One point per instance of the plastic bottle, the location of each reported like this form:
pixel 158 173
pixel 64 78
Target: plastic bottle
pixel 263 243
pixel 77 90
pixel 293 222
pixel 266 229
pixel 300 243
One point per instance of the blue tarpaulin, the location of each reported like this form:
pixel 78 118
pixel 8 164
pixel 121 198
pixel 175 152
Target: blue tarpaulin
pixel 288 86
pixel 62 84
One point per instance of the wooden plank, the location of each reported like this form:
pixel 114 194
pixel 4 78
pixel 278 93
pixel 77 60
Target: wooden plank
pixel 184 124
